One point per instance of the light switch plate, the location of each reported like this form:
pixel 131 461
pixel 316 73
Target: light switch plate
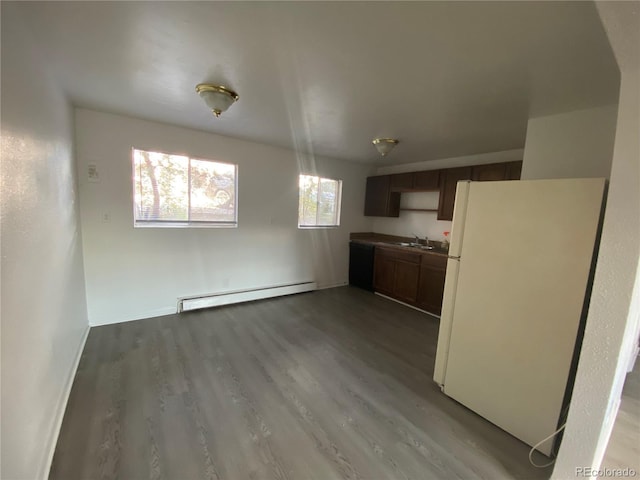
pixel 92 173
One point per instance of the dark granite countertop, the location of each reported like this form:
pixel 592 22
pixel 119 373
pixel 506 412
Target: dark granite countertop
pixel 392 241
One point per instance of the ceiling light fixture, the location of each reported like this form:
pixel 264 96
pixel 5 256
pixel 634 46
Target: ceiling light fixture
pixel 217 97
pixel 384 145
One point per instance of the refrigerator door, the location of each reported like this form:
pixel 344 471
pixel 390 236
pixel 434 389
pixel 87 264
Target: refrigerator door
pixel 451 280
pixel 526 258
pixel 446 317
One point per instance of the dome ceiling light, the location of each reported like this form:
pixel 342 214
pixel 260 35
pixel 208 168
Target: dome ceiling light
pixel 217 97
pixel 384 145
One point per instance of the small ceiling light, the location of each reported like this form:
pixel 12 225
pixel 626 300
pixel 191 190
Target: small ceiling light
pixel 384 145
pixel 217 97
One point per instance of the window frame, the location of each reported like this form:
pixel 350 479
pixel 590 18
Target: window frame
pixel 338 202
pixel 180 223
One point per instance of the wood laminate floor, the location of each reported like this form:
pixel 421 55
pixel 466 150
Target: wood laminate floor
pixel 334 384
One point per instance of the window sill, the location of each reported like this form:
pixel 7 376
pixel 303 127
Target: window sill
pixel 317 227
pixel 184 225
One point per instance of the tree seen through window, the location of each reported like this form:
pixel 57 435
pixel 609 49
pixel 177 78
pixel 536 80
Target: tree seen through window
pixel 178 190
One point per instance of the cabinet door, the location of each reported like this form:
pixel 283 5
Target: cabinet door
pixel 402 182
pixel 431 288
pixel 405 287
pixel 379 201
pixel 488 173
pixel 384 273
pixel 514 170
pixel 425 181
pixel 448 181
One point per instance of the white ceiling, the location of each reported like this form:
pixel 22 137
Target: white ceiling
pixel 446 78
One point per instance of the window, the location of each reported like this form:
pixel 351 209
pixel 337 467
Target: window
pixel 319 204
pixel 178 191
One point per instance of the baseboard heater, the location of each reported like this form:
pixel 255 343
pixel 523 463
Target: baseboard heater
pixel 237 296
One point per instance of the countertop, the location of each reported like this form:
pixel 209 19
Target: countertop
pixel 391 241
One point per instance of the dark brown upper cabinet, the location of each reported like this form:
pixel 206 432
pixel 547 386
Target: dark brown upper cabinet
pixel 402 182
pixel 426 181
pixel 379 200
pixel 496 172
pixel 383 191
pixel 489 173
pixel 416 181
pixel 448 182
pixel 514 170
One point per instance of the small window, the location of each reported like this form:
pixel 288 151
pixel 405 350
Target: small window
pixel 319 202
pixel 178 191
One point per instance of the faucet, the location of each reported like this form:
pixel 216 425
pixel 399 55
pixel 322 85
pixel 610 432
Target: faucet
pixel 417 238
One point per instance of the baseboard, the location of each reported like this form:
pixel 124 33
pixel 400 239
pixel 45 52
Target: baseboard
pixel 333 285
pixel 158 312
pixel 407 305
pixel 63 406
pixel 221 298
pixel 633 357
pixel 239 296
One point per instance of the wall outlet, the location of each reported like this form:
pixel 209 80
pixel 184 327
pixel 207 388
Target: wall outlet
pixel 106 217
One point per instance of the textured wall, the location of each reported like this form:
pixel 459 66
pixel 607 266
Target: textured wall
pixel 613 314
pixel 44 315
pixel 137 273
pixel 576 144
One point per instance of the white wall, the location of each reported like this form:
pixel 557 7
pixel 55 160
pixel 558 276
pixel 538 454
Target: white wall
pixel 423 224
pixel 614 313
pixel 137 273
pixel 570 145
pixel 44 317
pixel 427 223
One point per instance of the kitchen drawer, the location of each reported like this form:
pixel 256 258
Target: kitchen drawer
pixel 398 254
pixel 434 260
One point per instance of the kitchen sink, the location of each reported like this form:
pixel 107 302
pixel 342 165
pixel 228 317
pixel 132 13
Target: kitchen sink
pixel 414 245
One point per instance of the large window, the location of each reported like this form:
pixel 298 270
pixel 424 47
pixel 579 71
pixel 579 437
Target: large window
pixel 176 191
pixel 319 204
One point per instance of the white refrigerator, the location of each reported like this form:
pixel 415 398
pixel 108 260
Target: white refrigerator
pixel 517 276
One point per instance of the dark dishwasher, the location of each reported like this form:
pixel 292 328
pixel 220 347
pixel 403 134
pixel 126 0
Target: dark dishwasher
pixel 361 265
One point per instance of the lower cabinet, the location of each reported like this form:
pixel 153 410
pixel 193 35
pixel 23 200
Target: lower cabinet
pixel 413 278
pixel 431 283
pixel 405 287
pixel 384 272
pixel 396 273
